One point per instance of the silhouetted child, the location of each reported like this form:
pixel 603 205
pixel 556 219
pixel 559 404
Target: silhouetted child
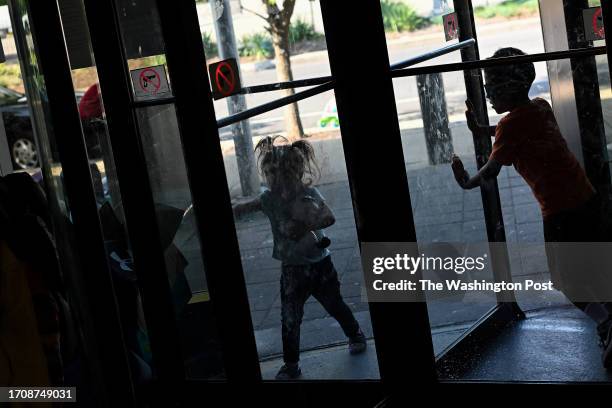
pixel 529 138
pixel 298 214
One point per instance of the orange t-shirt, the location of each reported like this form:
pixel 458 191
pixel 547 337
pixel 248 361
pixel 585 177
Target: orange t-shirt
pixel 529 138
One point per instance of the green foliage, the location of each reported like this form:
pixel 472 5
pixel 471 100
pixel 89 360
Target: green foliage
pixel 257 45
pixel 398 16
pixel 10 76
pixel 507 9
pixel 210 47
pixel 302 31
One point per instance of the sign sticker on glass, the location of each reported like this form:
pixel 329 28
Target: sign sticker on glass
pixel 593 24
pixel 451 26
pixel 224 78
pixel 150 83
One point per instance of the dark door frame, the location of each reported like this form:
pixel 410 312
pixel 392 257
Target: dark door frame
pixel 106 346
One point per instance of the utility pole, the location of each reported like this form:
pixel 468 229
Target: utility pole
pixel 312 19
pixel 435 118
pixel 243 140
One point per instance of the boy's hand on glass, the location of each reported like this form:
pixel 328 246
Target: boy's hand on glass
pixel 458 170
pixel 470 115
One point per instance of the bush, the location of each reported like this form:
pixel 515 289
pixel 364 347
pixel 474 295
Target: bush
pixel 210 47
pixel 508 8
pixel 10 76
pixel 302 31
pixel 257 45
pixel 399 17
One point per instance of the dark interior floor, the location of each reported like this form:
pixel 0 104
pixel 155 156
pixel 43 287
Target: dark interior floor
pixel 552 344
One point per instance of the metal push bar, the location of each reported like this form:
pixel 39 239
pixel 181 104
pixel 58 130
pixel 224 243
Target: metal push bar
pixel 462 66
pixel 326 85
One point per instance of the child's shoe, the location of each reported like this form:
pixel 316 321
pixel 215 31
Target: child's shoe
pixel 289 371
pixel 357 343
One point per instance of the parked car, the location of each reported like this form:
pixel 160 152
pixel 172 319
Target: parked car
pixel 18 127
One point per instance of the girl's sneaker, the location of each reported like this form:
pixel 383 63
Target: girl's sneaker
pixel 357 343
pixel 289 371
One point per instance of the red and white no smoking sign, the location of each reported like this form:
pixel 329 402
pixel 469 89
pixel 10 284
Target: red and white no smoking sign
pixel 451 26
pixel 224 78
pixel 593 24
pixel 150 83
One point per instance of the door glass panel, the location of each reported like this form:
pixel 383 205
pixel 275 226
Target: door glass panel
pixel 184 265
pixel 513 23
pixel 523 219
pixel 163 153
pixel 566 25
pixel 316 118
pixel 414 27
pixel 323 353
pixel 79 368
pixel 443 212
pixel 261 63
pixel 574 97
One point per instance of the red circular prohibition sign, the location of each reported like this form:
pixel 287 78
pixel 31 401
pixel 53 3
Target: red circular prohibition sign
pixel 225 78
pixel 599 31
pixel 150 77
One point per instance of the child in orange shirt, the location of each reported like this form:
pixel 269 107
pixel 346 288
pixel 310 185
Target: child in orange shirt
pixel 529 138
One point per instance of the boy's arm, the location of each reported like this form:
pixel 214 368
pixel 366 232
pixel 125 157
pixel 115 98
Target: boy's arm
pixel 487 172
pixel 492 130
pixel 472 121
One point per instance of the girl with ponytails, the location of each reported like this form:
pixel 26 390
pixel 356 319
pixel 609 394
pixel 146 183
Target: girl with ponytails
pixel 298 215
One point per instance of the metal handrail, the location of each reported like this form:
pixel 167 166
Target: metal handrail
pixel 327 85
pixel 492 62
pixel 279 103
pixel 286 85
pixel 433 54
pixel 322 80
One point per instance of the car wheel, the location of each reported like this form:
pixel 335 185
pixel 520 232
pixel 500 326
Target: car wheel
pixel 24 153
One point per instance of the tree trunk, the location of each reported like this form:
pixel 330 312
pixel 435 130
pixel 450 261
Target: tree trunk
pixel 280 41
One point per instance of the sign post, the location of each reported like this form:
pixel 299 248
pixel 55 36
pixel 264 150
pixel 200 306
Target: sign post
pixel 241 131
